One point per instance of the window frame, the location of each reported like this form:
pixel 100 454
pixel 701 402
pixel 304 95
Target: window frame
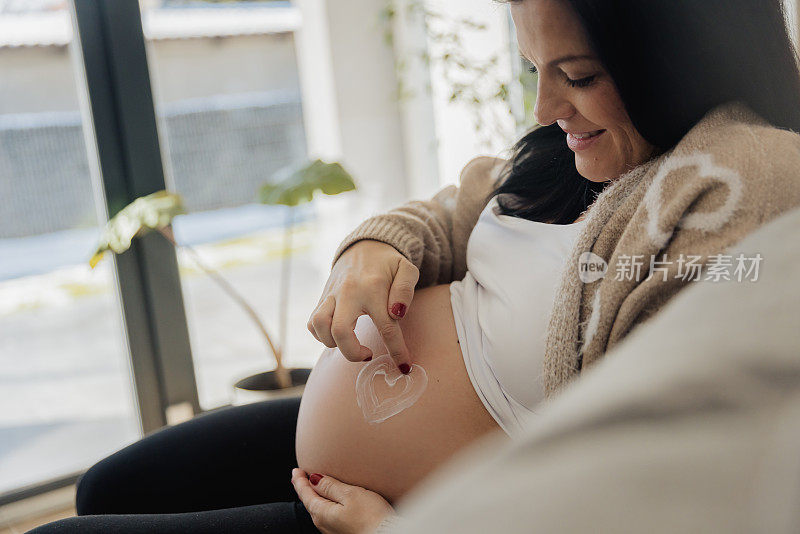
pixel 125 160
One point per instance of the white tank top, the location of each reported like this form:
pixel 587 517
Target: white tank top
pixel 502 306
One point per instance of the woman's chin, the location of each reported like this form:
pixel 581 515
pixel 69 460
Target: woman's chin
pixel 594 169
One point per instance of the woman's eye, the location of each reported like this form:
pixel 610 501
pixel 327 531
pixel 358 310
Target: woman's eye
pixel 582 82
pixel 532 69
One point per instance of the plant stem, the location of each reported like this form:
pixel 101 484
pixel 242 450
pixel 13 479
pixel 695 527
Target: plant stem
pixel 282 374
pixel 285 276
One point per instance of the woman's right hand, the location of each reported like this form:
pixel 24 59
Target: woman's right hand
pixel 373 278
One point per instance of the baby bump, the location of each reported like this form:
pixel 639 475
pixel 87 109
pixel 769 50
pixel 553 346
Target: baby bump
pixel 390 457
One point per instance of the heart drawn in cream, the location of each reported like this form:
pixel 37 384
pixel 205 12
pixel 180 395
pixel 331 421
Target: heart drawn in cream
pixel 404 390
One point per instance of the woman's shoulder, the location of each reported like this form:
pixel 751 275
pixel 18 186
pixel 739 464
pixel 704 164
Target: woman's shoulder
pixel 763 154
pixel 762 140
pixel 733 160
pixel 734 141
pixel 482 169
pixel 480 176
pixel 735 130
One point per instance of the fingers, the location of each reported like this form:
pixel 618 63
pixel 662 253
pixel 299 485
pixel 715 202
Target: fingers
pixel 320 322
pixel 343 328
pixel 334 320
pixel 319 507
pixel 402 291
pixel 392 336
pixel 332 489
pixel 338 507
pixel 400 295
pixel 321 326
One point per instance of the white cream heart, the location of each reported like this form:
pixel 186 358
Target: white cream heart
pixel 377 410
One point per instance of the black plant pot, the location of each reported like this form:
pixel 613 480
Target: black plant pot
pixel 265 386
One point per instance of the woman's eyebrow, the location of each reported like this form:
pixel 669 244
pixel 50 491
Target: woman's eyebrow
pixel 572 57
pixel 563 59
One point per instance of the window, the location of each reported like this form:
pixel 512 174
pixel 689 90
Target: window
pixel 66 394
pixel 228 98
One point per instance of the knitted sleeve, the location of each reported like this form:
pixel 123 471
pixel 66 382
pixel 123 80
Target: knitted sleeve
pixel 433 234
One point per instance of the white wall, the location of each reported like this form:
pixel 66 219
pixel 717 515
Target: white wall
pixel 458 140
pixel 344 63
pixel 351 113
pixel 315 68
pixel 793 19
pixel 398 149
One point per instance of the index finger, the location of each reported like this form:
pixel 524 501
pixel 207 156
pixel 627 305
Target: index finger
pixel 392 336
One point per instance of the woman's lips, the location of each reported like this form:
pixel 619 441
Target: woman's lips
pixel 577 143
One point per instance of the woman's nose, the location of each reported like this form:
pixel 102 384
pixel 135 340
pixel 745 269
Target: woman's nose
pixel 550 106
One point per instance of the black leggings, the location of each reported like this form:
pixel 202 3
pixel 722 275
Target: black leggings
pixel 224 471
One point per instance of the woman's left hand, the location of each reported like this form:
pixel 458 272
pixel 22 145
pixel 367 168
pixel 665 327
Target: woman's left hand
pixel 338 508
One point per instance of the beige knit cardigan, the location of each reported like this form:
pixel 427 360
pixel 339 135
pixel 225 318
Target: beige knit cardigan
pixel 730 174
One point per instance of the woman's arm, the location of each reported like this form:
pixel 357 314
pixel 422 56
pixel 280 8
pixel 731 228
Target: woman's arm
pixel 433 234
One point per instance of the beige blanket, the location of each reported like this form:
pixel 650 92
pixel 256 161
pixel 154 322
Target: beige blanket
pixel 690 433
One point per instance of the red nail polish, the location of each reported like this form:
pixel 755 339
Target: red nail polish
pixel 314 478
pixel 399 309
pixel 368 358
pixel 405 368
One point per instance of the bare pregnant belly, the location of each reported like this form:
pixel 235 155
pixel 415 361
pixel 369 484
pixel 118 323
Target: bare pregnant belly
pixel 391 457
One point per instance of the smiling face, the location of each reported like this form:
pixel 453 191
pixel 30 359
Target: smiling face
pixel 575 91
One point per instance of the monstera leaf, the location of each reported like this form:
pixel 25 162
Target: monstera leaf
pixel 151 212
pixel 295 185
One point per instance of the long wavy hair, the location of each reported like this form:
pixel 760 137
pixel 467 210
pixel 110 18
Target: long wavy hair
pixel 672 61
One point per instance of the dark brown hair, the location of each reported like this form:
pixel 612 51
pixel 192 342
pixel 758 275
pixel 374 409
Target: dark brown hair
pixel 672 62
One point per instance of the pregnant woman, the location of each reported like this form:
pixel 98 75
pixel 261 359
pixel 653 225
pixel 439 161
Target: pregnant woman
pixel 655 145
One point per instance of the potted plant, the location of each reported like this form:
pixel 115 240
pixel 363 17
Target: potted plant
pixel 292 186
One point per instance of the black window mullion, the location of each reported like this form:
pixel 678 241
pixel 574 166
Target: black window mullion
pixel 129 157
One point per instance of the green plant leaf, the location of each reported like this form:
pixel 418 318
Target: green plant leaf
pixel 151 212
pixel 296 185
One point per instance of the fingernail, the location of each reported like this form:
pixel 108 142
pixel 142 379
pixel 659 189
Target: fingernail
pixel 367 358
pixel 405 368
pixel 314 478
pixel 399 309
